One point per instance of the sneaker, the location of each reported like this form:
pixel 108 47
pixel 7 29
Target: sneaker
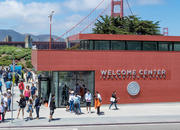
pixel 49 120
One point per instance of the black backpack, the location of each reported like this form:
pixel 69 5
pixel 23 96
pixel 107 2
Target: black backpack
pixel 22 103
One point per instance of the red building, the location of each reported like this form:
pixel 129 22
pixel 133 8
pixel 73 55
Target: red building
pixel 141 68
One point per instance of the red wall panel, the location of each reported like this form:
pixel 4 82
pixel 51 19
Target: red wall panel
pixel 152 90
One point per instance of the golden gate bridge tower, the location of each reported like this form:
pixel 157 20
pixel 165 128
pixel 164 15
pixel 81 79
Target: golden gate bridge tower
pixel 118 4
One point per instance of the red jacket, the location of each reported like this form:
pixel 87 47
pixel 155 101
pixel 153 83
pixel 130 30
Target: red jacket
pixel 21 86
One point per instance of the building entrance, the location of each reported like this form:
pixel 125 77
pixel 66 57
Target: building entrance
pixel 77 81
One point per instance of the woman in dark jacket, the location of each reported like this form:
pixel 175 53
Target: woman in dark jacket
pixel 113 100
pixel 52 106
pixel 37 106
pixel 22 105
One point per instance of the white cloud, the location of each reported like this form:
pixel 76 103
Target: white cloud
pixel 149 2
pixel 31 17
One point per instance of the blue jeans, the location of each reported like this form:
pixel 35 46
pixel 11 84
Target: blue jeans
pixel 77 108
pixel 114 105
pixel 71 107
pixel 9 104
pixel 37 111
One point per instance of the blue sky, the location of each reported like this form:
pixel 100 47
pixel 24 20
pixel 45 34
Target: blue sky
pixel 31 16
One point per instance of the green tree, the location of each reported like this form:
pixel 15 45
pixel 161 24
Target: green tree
pixel 126 25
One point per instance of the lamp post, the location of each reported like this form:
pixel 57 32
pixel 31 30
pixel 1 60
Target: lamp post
pixel 50 18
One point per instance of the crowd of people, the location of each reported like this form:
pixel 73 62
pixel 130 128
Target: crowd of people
pixel 27 94
pixel 30 101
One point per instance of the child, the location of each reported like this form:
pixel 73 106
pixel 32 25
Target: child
pixel 30 109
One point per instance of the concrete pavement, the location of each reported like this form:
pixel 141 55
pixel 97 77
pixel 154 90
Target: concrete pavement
pixel 127 114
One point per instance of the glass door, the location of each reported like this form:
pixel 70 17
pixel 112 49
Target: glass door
pixel 78 81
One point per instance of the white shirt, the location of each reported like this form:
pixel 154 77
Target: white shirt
pixel 5 100
pixel 88 97
pixel 71 97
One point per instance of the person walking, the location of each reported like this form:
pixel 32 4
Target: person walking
pixel 97 102
pixel 21 87
pixel 30 109
pixel 52 107
pixel 37 106
pixel 33 91
pixel 27 93
pixel 88 99
pixel 113 100
pixel 22 105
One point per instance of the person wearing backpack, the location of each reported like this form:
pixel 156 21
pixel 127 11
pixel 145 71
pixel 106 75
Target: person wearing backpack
pixel 37 105
pixel 97 102
pixel 21 87
pixel 22 105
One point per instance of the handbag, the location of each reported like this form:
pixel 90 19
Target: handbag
pixel 112 99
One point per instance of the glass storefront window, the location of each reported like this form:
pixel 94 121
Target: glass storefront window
pixel 102 45
pixel 91 45
pixel 165 46
pixel 150 46
pixel 118 45
pixel 68 80
pixel 133 45
pixel 177 46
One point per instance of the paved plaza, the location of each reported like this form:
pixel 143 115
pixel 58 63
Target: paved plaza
pixel 126 114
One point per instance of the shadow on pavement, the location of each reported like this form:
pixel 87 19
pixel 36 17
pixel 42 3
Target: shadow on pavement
pixel 56 119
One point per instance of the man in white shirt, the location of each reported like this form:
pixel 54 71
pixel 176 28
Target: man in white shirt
pixel 88 99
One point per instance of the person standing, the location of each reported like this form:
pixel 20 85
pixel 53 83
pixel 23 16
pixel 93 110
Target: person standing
pixel 8 84
pixel 1 86
pixel 21 87
pixel 30 109
pixel 52 107
pixel 37 106
pixel 33 91
pixel 88 99
pixel 113 100
pixel 16 79
pixel 22 105
pixel 27 93
pixel 9 99
pixel 2 111
pixel 97 103
pixel 71 101
pixel 77 106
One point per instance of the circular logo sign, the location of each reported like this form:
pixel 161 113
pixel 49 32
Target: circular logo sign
pixel 133 88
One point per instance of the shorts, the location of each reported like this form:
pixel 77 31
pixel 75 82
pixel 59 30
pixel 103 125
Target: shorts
pixel 5 108
pixel 51 112
pixel 88 104
pixel 26 98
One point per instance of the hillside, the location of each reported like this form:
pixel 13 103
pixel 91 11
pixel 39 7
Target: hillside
pixel 22 56
pixel 16 36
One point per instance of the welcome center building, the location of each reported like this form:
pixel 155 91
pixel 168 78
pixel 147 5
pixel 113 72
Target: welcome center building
pixel 141 68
